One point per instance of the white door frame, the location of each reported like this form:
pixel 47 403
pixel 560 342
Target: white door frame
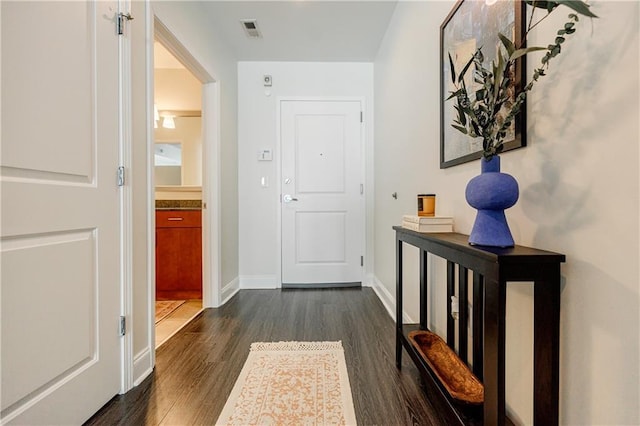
pixel 363 173
pixel 126 202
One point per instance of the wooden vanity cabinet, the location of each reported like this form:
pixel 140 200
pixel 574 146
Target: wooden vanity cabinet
pixel 178 254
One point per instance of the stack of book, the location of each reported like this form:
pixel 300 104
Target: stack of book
pixel 427 224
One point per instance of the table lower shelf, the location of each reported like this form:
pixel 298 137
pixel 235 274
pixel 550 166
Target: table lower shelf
pixel 458 412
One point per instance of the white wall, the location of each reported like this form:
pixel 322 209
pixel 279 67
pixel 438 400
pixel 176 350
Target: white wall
pixel 579 194
pixel 176 89
pixel 257 130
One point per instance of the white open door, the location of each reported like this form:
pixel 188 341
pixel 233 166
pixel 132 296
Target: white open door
pixel 322 213
pixel 60 211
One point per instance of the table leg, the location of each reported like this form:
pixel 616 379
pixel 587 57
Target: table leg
pixel 398 303
pixel 463 305
pixel 424 298
pixel 451 324
pixel 546 350
pixel 478 332
pixel 494 347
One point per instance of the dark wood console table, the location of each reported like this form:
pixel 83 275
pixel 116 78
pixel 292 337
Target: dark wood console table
pixel 492 268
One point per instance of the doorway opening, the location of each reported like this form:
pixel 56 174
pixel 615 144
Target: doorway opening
pixel 178 194
pixel 184 187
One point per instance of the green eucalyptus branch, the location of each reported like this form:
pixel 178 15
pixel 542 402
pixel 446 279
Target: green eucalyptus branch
pixel 489 111
pixel 553 50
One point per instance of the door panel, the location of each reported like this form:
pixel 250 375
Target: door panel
pixel 64 278
pixel 320 237
pixel 60 303
pixel 320 150
pixel 30 55
pixel 322 217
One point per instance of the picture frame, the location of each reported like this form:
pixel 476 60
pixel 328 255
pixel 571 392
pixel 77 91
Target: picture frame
pixel 472 24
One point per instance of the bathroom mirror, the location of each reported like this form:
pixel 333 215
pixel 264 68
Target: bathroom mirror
pixel 168 163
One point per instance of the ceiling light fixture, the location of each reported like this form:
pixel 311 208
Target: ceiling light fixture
pixel 168 122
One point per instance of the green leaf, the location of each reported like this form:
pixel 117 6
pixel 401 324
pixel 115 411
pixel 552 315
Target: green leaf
pixel 560 40
pixel 453 69
pixel 453 94
pixel 498 74
pixel 507 44
pixel 464 70
pixel 462 118
pixel 460 128
pixel 521 52
pixel 476 129
pixel 579 6
pixel 542 4
pixel 569 25
pixel 505 82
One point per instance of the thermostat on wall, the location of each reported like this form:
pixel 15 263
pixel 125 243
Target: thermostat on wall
pixel 265 155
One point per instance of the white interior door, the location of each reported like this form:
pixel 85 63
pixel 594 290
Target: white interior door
pixel 322 214
pixel 60 211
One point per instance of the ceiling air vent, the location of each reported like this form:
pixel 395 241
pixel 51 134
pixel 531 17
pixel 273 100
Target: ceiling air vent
pixel 250 27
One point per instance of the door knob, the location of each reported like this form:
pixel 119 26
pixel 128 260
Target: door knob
pixel 288 198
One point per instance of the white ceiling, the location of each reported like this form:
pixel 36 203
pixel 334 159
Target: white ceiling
pixel 302 30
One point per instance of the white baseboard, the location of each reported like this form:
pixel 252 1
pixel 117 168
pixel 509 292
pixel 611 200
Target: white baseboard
pixel 388 300
pixel 259 282
pixel 142 366
pixel 229 290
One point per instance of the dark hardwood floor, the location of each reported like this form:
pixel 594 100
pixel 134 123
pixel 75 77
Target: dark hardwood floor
pixel 196 369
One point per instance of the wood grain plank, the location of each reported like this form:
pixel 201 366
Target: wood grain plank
pixel 197 368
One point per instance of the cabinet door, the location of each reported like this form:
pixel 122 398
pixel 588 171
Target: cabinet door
pixel 178 262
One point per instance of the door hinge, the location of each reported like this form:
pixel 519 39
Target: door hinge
pixel 361 118
pixel 121 176
pixel 120 21
pixel 361 260
pixel 361 189
pixel 123 325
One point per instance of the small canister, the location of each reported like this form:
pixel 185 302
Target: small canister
pixel 426 204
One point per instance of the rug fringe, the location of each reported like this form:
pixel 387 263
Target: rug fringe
pixel 296 346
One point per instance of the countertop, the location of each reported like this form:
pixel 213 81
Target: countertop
pixel 178 204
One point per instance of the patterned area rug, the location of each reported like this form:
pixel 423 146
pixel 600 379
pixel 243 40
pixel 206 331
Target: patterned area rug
pixel 291 383
pixel 165 307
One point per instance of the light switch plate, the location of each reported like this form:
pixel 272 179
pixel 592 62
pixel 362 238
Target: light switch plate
pixel 265 155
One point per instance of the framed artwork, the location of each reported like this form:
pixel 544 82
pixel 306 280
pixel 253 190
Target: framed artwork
pixel 474 24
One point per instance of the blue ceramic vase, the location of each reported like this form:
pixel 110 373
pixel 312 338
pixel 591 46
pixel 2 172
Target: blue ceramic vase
pixel 491 193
